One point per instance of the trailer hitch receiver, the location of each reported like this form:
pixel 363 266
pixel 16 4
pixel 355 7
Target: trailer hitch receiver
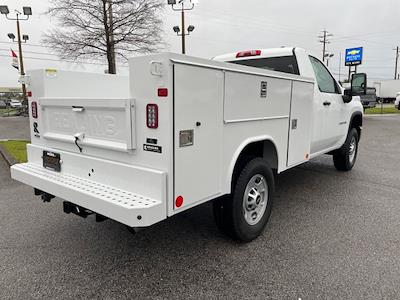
pixel 69 207
pixel 45 196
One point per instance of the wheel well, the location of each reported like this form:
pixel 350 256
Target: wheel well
pixel 356 122
pixel 265 149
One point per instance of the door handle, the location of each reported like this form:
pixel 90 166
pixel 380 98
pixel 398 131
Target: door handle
pixel 327 103
pixel 78 108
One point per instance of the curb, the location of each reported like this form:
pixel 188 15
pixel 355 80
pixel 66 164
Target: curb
pixel 7 157
pixel 381 115
pixel 17 140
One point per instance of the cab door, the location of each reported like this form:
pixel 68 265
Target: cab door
pixel 330 121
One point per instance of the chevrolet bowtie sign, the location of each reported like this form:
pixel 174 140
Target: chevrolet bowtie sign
pixel 354 56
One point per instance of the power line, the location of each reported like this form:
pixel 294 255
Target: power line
pixel 33 52
pixel 65 60
pixel 231 21
pixel 30 45
pixel 346 37
pixel 252 19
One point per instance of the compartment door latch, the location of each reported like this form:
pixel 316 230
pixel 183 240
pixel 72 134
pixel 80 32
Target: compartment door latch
pixel 79 137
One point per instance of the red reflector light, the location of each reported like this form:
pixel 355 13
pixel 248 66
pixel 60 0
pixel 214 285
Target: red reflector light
pixel 162 92
pixel 248 53
pixel 34 109
pixel 152 115
pixel 179 201
pixel 29 94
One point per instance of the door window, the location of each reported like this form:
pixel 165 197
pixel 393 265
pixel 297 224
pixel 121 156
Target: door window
pixel 326 82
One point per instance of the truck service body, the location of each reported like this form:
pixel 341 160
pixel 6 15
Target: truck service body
pixel 181 131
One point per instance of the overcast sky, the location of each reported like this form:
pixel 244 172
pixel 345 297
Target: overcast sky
pixel 231 25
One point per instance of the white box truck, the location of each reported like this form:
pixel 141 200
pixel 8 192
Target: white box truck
pixel 387 90
pixel 181 131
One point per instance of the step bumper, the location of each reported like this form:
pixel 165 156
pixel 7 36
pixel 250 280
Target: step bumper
pixel 124 206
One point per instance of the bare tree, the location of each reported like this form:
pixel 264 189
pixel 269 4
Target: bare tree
pixel 94 29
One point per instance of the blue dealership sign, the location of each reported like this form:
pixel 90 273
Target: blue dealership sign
pixel 354 56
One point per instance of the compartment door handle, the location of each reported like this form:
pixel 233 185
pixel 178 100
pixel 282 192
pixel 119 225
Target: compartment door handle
pixel 78 108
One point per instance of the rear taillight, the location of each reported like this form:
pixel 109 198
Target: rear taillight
pixel 29 94
pixel 152 115
pixel 248 53
pixel 162 92
pixel 34 109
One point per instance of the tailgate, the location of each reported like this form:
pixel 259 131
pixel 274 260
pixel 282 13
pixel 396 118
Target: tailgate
pixel 132 195
pixel 100 123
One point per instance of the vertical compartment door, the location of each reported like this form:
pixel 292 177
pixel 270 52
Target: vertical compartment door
pixel 198 121
pixel 300 126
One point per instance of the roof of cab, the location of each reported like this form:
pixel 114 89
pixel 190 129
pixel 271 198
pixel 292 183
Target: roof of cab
pixel 271 52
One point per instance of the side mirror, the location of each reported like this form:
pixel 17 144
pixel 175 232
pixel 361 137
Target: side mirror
pixel 359 84
pixel 347 96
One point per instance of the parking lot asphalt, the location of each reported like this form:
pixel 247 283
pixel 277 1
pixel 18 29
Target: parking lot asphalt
pixel 331 235
pixel 14 128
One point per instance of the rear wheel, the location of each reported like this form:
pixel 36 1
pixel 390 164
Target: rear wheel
pixel 345 158
pixel 244 214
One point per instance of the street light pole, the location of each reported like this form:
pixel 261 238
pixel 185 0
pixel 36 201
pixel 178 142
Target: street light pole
pixel 27 12
pixel 176 28
pixel 183 29
pixel 328 56
pixel 21 61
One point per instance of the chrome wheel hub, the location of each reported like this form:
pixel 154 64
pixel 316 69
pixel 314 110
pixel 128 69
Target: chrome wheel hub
pixel 255 199
pixel 352 149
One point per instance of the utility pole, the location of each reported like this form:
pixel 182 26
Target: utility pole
pixel 176 29
pixel 396 62
pixel 340 64
pixel 27 12
pixel 324 40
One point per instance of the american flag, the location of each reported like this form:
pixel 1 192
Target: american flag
pixel 14 62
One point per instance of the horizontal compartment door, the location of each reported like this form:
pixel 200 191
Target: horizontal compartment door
pixel 100 123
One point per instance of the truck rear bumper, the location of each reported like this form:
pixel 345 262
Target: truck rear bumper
pixel 121 205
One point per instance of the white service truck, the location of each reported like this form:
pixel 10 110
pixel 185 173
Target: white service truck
pixel 181 131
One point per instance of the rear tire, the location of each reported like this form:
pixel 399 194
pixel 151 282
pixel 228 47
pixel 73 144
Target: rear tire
pixel 345 158
pixel 244 214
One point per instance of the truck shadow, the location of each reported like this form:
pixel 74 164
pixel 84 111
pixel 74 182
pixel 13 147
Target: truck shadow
pixel 296 188
pixel 173 253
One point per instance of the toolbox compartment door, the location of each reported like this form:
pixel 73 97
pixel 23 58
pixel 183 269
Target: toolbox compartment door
pixel 300 123
pixel 99 123
pixel 198 117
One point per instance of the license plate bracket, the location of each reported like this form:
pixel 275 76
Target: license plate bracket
pixel 52 161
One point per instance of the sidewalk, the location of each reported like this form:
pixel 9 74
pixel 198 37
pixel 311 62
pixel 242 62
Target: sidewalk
pixel 381 115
